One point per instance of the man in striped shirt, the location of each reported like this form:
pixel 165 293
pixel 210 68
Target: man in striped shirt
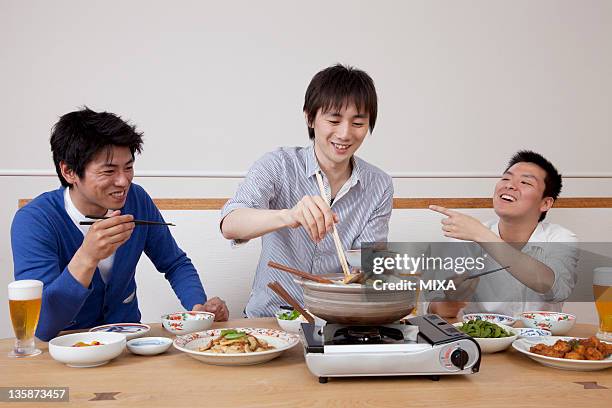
pixel 280 201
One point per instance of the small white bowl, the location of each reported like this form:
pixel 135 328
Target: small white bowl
pixel 558 323
pixel 187 322
pixel 61 348
pixel 491 318
pixel 293 326
pixel 528 332
pixel 149 346
pixel 353 257
pixel 290 326
pixel 493 345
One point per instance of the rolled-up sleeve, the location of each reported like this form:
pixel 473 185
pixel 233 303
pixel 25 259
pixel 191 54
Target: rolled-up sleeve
pixel 258 188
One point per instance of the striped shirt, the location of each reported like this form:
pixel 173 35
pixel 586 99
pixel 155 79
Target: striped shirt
pixel 279 180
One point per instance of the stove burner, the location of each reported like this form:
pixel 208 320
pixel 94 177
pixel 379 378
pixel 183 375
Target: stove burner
pixel 363 334
pixel 367 335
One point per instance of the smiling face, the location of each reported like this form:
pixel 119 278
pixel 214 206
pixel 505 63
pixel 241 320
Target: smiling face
pixel 105 182
pixel 338 135
pixel 519 193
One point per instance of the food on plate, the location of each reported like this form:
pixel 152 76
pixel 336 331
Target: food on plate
pixel 575 349
pixel 235 341
pixel 292 315
pixel 483 329
pixel 83 344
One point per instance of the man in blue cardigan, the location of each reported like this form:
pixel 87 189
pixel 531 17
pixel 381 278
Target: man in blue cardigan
pixel 88 271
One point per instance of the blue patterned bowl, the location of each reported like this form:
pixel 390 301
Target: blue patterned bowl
pixel 529 332
pixel 491 317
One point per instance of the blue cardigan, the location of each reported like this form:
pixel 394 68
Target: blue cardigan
pixel 44 239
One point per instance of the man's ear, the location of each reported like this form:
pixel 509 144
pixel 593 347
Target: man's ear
pixel 307 121
pixel 67 173
pixel 546 204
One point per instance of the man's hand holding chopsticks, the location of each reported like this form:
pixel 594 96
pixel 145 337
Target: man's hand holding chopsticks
pixel 314 214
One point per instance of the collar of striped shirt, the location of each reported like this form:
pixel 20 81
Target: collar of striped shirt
pixel 312 167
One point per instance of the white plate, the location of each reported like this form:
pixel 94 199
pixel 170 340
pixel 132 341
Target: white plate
pixel 523 346
pixel 190 344
pixel 129 330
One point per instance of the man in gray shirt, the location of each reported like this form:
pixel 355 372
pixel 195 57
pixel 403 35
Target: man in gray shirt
pixel 280 201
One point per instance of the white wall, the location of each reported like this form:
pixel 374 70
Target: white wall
pixel 462 85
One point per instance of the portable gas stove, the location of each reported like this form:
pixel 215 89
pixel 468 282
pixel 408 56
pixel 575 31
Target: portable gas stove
pixel 423 345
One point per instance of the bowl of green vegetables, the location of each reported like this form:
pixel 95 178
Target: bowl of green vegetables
pixel 290 320
pixel 491 337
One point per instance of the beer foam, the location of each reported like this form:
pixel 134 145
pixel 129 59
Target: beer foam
pixel 25 289
pixel 602 276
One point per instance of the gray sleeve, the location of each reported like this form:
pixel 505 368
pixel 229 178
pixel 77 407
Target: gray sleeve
pixel 377 227
pixel 258 189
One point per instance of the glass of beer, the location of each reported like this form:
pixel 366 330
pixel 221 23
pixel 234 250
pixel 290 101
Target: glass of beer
pixel 602 291
pixel 25 297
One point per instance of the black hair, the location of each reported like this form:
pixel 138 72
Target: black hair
pixel 553 181
pixel 337 86
pixel 78 136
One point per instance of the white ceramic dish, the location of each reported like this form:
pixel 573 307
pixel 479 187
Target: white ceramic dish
pixel 129 330
pixel 353 257
pixel 149 346
pixel 523 346
pixel 293 326
pixel 61 348
pixel 528 332
pixel 493 345
pixel 190 344
pixel 187 322
pixel 556 322
pixel 491 317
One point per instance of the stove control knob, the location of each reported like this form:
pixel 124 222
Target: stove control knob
pixel 459 358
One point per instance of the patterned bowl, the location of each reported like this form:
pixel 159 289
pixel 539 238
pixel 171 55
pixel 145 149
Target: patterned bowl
pixel 556 322
pixel 526 332
pixel 187 322
pixel 491 318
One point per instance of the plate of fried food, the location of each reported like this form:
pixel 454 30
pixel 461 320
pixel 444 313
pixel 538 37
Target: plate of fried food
pixel 567 353
pixel 240 346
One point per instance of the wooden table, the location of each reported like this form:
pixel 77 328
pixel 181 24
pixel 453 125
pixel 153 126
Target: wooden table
pixel 175 379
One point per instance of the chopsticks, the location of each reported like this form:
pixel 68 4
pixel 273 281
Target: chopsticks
pixel 280 291
pixel 339 249
pixel 487 272
pixel 137 222
pixel 304 275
